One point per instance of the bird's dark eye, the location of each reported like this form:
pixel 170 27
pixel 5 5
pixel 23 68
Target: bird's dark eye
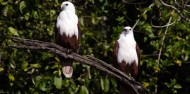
pixel 130 29
pixel 66 4
pixel 124 29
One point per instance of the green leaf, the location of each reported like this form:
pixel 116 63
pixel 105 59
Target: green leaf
pixel 105 84
pixel 13 31
pixel 43 86
pixel 11 77
pixel 102 83
pixel 37 81
pixel 57 59
pixel 25 65
pixel 1 69
pixel 4 3
pixel 35 65
pixel 58 82
pixel 22 6
pixel 113 82
pixel 83 90
pixel 177 86
pixel 46 55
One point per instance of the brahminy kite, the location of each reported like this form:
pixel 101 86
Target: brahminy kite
pixel 127 53
pixel 67 34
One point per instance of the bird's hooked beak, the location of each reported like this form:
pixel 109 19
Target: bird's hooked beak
pixel 124 32
pixel 63 5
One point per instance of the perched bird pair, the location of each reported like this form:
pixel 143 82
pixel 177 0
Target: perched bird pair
pixel 126 51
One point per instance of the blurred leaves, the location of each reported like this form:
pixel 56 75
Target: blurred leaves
pixel 83 90
pixel 11 77
pixel 173 85
pixel 101 22
pixel 22 6
pixel 105 84
pixel 13 31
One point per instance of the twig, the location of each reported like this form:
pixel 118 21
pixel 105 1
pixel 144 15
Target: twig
pixel 149 55
pixel 142 14
pixel 91 61
pixel 179 12
pixel 167 25
pixel 162 43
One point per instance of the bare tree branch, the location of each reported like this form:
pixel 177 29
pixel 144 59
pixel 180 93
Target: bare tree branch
pixel 142 14
pixel 180 9
pixel 167 25
pixel 163 38
pixel 162 43
pixel 88 60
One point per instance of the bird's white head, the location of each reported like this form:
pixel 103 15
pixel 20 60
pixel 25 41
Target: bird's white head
pixel 127 30
pixel 67 6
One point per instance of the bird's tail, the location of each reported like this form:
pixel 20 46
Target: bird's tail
pixel 67 68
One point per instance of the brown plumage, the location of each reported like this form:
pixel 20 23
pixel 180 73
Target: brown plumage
pixel 67 35
pixel 126 57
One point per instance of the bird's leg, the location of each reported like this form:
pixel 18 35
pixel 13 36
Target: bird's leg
pixel 69 51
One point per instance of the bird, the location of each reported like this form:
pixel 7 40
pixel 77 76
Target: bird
pixel 67 34
pixel 126 55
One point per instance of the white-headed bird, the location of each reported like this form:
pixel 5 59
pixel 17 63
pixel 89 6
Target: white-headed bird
pixel 67 34
pixel 126 55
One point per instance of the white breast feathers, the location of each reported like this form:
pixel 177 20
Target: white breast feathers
pixel 127 49
pixel 67 22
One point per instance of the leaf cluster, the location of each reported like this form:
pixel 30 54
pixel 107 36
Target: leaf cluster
pixel 101 22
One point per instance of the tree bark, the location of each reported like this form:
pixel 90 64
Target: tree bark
pixel 30 44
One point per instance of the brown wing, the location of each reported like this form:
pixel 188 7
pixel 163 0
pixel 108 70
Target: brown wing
pixel 71 43
pixel 115 54
pixel 74 41
pixel 138 54
pixel 135 67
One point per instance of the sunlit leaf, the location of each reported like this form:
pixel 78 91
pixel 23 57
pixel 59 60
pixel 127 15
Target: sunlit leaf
pixel 83 90
pixel 156 69
pixel 104 84
pixel 177 86
pixel 4 3
pixel 11 77
pixel 37 80
pixel 43 86
pixel 146 84
pixel 13 31
pixel 35 65
pixel 22 6
pixel 58 82
pixel 24 66
pixel 1 69
pixel 178 62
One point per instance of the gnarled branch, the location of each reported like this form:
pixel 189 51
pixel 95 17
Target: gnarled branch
pixel 88 60
pixel 182 9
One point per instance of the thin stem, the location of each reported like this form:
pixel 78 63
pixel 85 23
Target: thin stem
pixel 142 14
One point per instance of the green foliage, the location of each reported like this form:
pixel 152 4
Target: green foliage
pixel 101 21
pixel 83 90
pixel 58 82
